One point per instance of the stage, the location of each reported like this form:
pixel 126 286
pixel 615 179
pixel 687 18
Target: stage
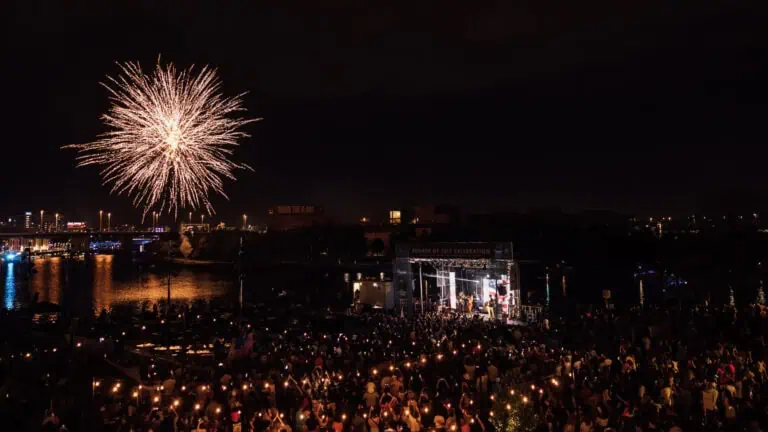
pixel 476 277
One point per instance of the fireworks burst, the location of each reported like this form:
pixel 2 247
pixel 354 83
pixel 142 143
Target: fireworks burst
pixel 171 135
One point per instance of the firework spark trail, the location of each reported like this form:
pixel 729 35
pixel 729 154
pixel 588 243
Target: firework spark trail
pixel 171 137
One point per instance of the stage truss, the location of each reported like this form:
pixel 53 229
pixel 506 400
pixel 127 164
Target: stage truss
pixel 495 257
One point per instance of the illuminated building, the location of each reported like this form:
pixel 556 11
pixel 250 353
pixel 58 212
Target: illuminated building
pixel 27 220
pixel 77 227
pixel 288 217
pixel 194 227
pixel 376 293
pixel 395 217
pixel 52 222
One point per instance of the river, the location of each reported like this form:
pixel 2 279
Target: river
pixel 86 286
pixel 106 282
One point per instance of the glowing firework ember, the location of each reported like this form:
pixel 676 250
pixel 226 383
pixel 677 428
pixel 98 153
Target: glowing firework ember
pixel 171 135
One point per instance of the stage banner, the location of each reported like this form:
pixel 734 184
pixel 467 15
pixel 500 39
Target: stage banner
pixel 489 251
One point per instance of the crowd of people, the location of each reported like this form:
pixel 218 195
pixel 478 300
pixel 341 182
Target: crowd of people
pixel 597 371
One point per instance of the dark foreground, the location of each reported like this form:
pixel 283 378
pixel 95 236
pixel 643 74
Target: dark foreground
pixel 211 367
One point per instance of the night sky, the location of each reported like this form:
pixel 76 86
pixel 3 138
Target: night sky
pixel 633 106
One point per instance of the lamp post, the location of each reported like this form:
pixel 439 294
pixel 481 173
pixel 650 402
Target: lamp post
pixel 101 213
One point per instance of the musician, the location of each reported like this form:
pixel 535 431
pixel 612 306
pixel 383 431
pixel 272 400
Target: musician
pixel 491 308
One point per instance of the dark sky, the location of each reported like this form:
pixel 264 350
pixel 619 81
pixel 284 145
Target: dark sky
pixel 505 105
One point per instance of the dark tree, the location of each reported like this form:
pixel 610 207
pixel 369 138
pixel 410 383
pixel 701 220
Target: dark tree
pixel 377 246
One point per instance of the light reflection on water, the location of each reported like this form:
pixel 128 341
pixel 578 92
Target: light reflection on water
pixel 47 281
pixel 105 282
pixel 10 286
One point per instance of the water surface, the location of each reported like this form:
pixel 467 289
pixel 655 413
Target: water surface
pixel 108 281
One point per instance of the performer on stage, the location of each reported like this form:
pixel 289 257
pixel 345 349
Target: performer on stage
pixel 490 308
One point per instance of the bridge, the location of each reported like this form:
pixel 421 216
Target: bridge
pixel 83 234
pixel 40 242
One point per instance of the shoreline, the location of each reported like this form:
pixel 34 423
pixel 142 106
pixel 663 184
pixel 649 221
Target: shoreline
pixel 195 262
